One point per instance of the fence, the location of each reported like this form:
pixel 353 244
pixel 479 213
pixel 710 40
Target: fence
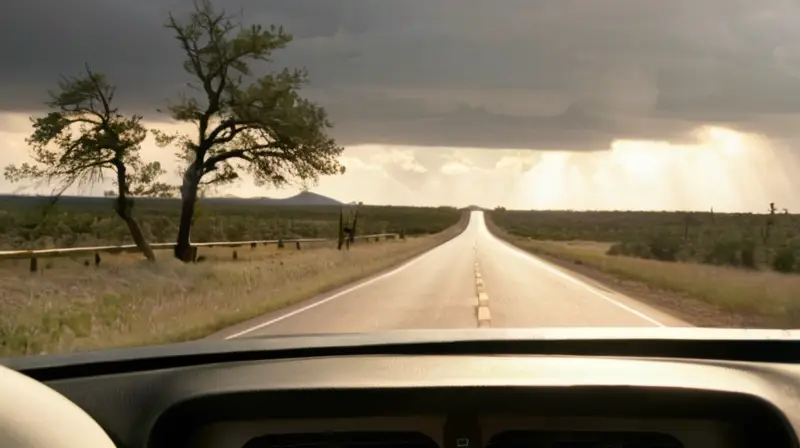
pixel 34 255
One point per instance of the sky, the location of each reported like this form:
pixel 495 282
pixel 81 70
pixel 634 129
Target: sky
pixel 530 104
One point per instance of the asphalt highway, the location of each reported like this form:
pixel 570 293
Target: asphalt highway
pixel 473 280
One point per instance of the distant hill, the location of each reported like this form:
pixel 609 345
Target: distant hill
pixel 304 198
pixel 309 198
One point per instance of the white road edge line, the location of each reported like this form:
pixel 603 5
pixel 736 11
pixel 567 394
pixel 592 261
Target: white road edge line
pixel 335 296
pixel 553 270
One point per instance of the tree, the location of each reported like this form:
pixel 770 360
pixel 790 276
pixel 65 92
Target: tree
pixel 259 125
pixel 83 139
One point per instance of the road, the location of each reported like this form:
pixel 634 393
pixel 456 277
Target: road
pixel 475 279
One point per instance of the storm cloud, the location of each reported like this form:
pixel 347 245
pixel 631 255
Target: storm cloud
pixel 544 74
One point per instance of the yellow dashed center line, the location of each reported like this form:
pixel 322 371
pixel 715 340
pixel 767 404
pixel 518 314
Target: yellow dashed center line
pixel 482 306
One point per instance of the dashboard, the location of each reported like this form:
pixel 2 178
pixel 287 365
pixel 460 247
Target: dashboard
pixel 497 431
pixel 439 401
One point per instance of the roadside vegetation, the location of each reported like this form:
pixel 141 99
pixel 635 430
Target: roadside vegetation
pixel 83 139
pixel 76 221
pixel 711 269
pixel 245 117
pixel 244 120
pixel 127 301
pixel 746 240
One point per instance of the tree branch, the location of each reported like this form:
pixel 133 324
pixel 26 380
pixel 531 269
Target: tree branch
pixel 234 126
pixel 248 155
pixel 100 94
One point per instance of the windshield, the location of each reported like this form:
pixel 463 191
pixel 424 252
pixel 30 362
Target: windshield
pixel 227 169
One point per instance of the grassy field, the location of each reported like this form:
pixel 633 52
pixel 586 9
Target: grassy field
pixel 701 283
pixel 744 240
pixel 76 222
pixel 129 302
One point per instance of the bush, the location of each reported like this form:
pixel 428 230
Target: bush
pixel 664 248
pixel 784 260
pixel 724 253
pixel 631 249
pixel 748 254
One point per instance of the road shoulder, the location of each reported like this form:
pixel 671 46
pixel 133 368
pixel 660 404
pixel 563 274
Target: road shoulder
pixel 671 303
pixel 250 326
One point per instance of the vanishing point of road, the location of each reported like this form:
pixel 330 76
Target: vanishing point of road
pixel 475 279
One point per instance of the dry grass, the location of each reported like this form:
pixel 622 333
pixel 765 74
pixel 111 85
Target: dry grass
pixel 128 302
pixel 765 298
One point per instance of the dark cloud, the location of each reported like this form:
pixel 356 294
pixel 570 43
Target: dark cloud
pixel 565 74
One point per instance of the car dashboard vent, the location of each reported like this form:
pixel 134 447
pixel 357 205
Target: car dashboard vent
pixel 375 439
pixel 582 439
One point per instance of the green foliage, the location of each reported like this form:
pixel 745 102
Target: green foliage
pixel 84 138
pixel 713 238
pixel 245 122
pixel 784 260
pixel 87 221
pixel 732 252
pixel 256 124
pixel 747 254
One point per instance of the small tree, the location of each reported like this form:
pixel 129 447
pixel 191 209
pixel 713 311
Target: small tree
pixel 259 125
pixel 83 139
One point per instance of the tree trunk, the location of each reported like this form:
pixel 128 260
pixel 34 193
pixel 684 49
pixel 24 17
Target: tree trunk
pixel 340 241
pixel 183 245
pixel 138 238
pixel 123 207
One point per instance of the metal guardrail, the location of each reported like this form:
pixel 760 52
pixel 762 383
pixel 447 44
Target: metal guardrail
pixel 32 254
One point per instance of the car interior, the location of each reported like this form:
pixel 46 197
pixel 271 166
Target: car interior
pixel 405 396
